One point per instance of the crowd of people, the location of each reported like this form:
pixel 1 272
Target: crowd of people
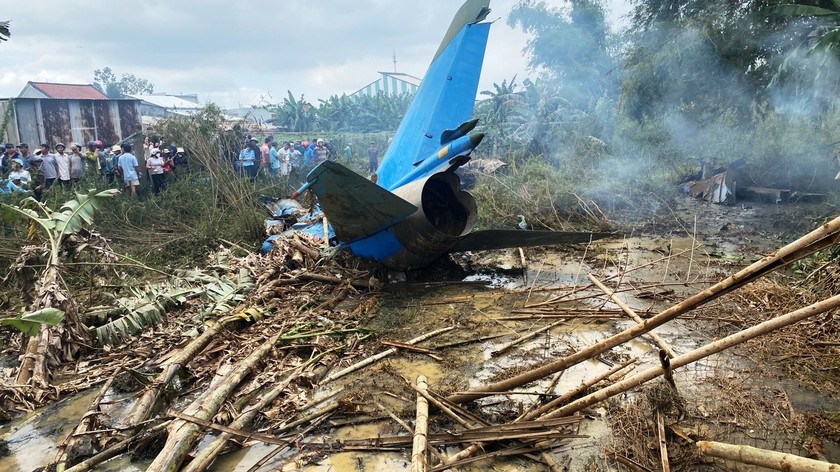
pixel 279 158
pixel 282 158
pixel 24 171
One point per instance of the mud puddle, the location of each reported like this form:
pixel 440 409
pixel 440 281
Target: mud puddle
pixel 658 270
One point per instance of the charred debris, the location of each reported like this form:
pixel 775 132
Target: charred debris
pixel 278 350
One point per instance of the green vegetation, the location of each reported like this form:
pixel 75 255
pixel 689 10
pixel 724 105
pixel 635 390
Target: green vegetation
pixel 128 84
pixel 609 121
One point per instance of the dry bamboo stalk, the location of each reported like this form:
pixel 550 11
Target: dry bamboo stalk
pixel 419 458
pixel 632 314
pixel 370 360
pixel 825 236
pixel 563 399
pixel 505 347
pixel 626 462
pixel 84 426
pixel 663 447
pixel 408 347
pixel 142 409
pixel 697 354
pixel 764 458
pixel 511 451
pixel 407 429
pixel 524 263
pixel 115 449
pixel 359 284
pixel 183 434
pixel 206 455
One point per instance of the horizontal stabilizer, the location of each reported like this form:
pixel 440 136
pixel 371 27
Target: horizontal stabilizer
pixel 355 207
pixel 505 238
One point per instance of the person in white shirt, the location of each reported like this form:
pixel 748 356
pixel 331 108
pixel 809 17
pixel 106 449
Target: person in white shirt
pixel 18 176
pixel 62 165
pixel 155 165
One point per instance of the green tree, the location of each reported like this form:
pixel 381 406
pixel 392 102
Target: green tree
pixel 128 84
pixel 571 44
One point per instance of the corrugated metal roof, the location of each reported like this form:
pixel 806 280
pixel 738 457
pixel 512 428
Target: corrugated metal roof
pixel 167 101
pixel 404 77
pixel 70 91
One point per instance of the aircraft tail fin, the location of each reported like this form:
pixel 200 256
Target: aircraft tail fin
pixel 355 206
pixel 503 238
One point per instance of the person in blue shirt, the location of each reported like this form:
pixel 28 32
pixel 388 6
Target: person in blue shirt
pixel 130 170
pixel 274 160
pixel 248 157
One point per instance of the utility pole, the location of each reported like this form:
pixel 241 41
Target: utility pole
pixel 395 61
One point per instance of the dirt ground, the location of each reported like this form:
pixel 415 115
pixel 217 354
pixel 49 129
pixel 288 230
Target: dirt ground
pixel 779 392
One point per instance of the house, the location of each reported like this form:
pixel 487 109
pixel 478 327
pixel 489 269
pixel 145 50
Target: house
pixel 52 113
pixel 390 83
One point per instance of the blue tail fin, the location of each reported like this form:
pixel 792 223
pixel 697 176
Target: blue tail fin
pixel 446 96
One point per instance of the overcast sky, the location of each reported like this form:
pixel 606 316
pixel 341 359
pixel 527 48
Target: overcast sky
pixel 247 52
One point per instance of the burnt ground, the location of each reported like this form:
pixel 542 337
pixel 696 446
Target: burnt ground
pixel 777 392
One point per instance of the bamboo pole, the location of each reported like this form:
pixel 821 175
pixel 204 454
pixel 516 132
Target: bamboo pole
pixel 419 459
pixel 632 314
pixel 116 449
pixel 370 360
pixel 697 354
pixel 72 440
pixel 183 434
pixel 142 409
pixel 663 446
pixel 763 457
pixel 824 236
pixel 208 454
pixel 563 399
pixel 505 347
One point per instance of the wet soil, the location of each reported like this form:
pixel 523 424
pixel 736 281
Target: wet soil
pixel 693 247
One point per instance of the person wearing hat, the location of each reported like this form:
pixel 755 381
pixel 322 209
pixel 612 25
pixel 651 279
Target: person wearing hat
pixel 321 153
pixel 63 165
pixel 112 163
pixel 18 176
pixel 168 162
pixel 37 180
pixel 48 165
pixel 154 164
pixel 9 153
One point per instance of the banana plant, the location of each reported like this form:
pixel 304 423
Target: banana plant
pixel 55 227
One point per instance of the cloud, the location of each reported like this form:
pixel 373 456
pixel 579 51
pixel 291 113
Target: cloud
pixel 237 52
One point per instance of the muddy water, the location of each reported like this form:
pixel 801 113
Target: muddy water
pixel 34 439
pixel 412 309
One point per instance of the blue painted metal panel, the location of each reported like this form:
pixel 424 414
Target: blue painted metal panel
pixel 445 99
pixel 379 246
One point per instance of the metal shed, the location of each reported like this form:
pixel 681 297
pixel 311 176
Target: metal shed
pixel 53 120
